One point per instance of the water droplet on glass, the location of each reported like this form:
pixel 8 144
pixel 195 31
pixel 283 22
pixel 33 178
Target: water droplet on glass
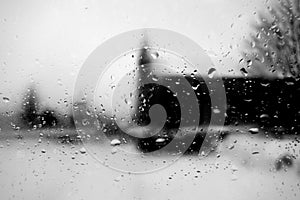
pixel 290 83
pixel 114 150
pixel 216 111
pixel 234 168
pixel 59 81
pixel 85 122
pixel 234 177
pixel 115 142
pixel 88 112
pixel 253 130
pixel 264 116
pixel 155 78
pixel 6 99
pixel 82 150
pixel 195 87
pixel 211 72
pixel 117 179
pixel 265 84
pixel 249 62
pixel 154 55
pixel 159 140
pixel 244 71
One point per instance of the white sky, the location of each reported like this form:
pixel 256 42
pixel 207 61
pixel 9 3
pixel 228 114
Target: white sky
pixel 46 42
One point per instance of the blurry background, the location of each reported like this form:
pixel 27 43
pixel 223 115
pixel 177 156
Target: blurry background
pixel 42 48
pixel 46 43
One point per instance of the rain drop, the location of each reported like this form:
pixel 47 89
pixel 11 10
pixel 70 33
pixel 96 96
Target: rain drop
pixel 265 84
pixel 253 130
pixel 114 150
pixel 264 116
pixel 59 81
pixel 85 122
pixel 211 72
pixel 115 142
pixel 159 140
pixel 82 150
pixel 154 55
pixel 6 99
pixel 117 179
pixel 234 168
pixel 244 71
pixel 154 78
pixel 216 111
pixel 234 177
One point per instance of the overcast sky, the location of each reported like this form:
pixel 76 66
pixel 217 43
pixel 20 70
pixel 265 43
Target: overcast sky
pixel 46 42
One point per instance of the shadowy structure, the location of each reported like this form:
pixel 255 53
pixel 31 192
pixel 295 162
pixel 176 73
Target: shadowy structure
pixel 71 121
pixel 30 108
pixel 274 47
pixel 31 115
pixel 151 94
pixel 48 118
pixel 270 104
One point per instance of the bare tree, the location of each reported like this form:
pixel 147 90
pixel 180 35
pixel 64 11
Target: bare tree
pixel 274 47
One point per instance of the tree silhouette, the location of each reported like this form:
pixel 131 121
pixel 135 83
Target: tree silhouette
pixel 31 115
pixel 274 47
pixel 30 108
pixel 48 118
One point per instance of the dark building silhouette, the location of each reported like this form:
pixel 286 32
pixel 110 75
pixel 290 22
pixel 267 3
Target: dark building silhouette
pixel 271 104
pixel 152 93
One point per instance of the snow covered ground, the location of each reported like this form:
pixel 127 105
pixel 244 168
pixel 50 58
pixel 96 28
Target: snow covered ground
pixel 242 167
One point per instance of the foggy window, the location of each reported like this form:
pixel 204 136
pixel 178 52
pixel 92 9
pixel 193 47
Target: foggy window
pixel 150 100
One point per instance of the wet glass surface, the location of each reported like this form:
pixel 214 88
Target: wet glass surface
pixel 150 100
